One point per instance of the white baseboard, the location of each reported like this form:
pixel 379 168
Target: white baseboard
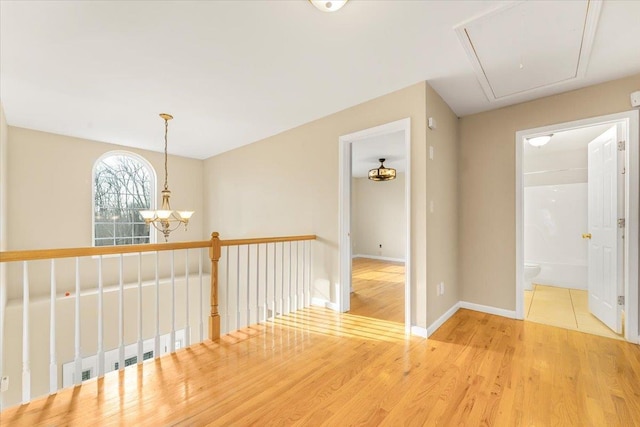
pixel 319 302
pixel 440 321
pixel 381 258
pixel 420 332
pixel 511 314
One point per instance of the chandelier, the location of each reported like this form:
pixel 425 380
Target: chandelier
pixel 382 173
pixel 165 219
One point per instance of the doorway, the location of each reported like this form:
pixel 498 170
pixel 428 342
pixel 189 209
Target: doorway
pixel 560 203
pixel 375 223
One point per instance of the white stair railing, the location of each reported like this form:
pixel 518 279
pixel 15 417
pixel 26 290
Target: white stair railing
pixel 83 296
pixel 263 278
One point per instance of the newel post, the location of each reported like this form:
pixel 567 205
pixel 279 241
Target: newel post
pixel 214 317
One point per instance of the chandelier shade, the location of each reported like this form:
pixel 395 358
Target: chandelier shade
pixel 166 219
pixel 382 173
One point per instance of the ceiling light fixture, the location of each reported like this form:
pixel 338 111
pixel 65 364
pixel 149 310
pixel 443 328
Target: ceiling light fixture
pixel 165 219
pixel 382 173
pixel 539 141
pixel 328 6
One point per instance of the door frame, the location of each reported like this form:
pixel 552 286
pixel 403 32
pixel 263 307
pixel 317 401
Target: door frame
pixel 345 146
pixel 632 173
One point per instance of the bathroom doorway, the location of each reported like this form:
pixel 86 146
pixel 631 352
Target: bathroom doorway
pixel 565 186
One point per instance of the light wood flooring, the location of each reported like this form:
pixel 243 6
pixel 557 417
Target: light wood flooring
pixel 565 308
pixel 378 289
pixel 318 367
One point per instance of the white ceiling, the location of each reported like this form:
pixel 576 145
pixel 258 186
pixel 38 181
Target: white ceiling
pixel 234 72
pixel 365 153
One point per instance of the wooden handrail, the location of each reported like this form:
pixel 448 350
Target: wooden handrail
pixel 29 255
pixel 255 241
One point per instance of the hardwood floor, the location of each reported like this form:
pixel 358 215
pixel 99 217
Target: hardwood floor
pixel 378 289
pixel 317 367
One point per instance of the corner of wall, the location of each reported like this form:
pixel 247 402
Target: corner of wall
pixel 443 291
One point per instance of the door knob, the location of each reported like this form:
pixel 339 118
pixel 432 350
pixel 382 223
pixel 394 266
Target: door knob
pixel 586 235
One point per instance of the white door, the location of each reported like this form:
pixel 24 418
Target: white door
pixel 605 246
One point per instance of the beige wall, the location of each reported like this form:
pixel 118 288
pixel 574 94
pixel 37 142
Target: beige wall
pixel 51 175
pixel 378 217
pixel 4 138
pixel 3 229
pixel 487 182
pixel 288 184
pixel 442 223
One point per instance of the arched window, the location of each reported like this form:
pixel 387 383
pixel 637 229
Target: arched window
pixel 123 184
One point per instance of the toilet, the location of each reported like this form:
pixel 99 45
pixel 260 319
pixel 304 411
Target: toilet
pixel 531 270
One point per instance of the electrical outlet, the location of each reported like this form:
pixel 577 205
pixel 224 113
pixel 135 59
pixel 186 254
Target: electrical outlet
pixel 441 288
pixel 4 384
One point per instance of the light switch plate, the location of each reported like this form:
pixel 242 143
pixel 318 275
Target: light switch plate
pixel 635 99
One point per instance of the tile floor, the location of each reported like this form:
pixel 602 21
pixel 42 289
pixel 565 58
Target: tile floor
pixel 566 308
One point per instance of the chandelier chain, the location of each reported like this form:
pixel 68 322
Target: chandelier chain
pixel 166 172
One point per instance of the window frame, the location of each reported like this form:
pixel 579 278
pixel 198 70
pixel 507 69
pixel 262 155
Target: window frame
pixel 153 184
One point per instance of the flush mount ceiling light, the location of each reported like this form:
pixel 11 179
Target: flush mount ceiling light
pixel 539 141
pixel 328 6
pixel 165 219
pixel 382 173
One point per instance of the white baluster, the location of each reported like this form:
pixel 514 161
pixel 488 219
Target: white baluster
pixel 309 271
pixel 156 342
pixel 100 320
pixel 275 286
pixel 258 283
pixel 53 363
pixel 121 316
pixel 266 282
pixel 282 278
pixel 238 287
pixel 187 328
pixel 289 296
pixel 248 285
pixel 201 302
pixel 78 353
pixel 140 347
pixel 297 305
pixel 26 368
pixel 172 344
pixel 228 308
pixel 304 264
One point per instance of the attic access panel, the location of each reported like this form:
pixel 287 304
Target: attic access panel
pixel 530 45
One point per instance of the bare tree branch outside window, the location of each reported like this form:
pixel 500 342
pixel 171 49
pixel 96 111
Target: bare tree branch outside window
pixel 122 187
